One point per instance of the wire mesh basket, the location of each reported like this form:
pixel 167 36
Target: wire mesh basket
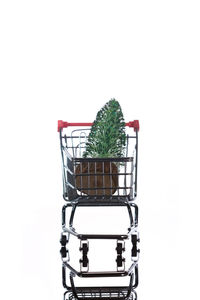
pixel 92 178
pixel 102 293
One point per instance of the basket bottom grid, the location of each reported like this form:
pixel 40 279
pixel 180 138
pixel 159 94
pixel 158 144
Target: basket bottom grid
pixel 102 293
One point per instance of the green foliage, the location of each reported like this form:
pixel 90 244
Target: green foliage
pixel 107 137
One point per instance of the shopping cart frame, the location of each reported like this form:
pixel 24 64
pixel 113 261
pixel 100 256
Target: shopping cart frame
pixel 77 201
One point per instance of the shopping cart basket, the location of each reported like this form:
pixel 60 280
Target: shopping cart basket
pixel 94 182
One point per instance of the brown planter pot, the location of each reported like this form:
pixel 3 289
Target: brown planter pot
pixel 97 184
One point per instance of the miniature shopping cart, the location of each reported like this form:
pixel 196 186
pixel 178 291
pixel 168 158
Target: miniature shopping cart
pixel 98 182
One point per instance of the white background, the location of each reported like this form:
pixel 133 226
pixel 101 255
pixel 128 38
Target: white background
pixel 65 60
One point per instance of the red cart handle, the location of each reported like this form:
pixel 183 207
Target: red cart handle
pixel 62 124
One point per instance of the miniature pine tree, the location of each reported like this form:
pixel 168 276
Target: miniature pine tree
pixel 107 137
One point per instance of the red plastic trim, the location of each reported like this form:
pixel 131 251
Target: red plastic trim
pixel 62 124
pixel 135 124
